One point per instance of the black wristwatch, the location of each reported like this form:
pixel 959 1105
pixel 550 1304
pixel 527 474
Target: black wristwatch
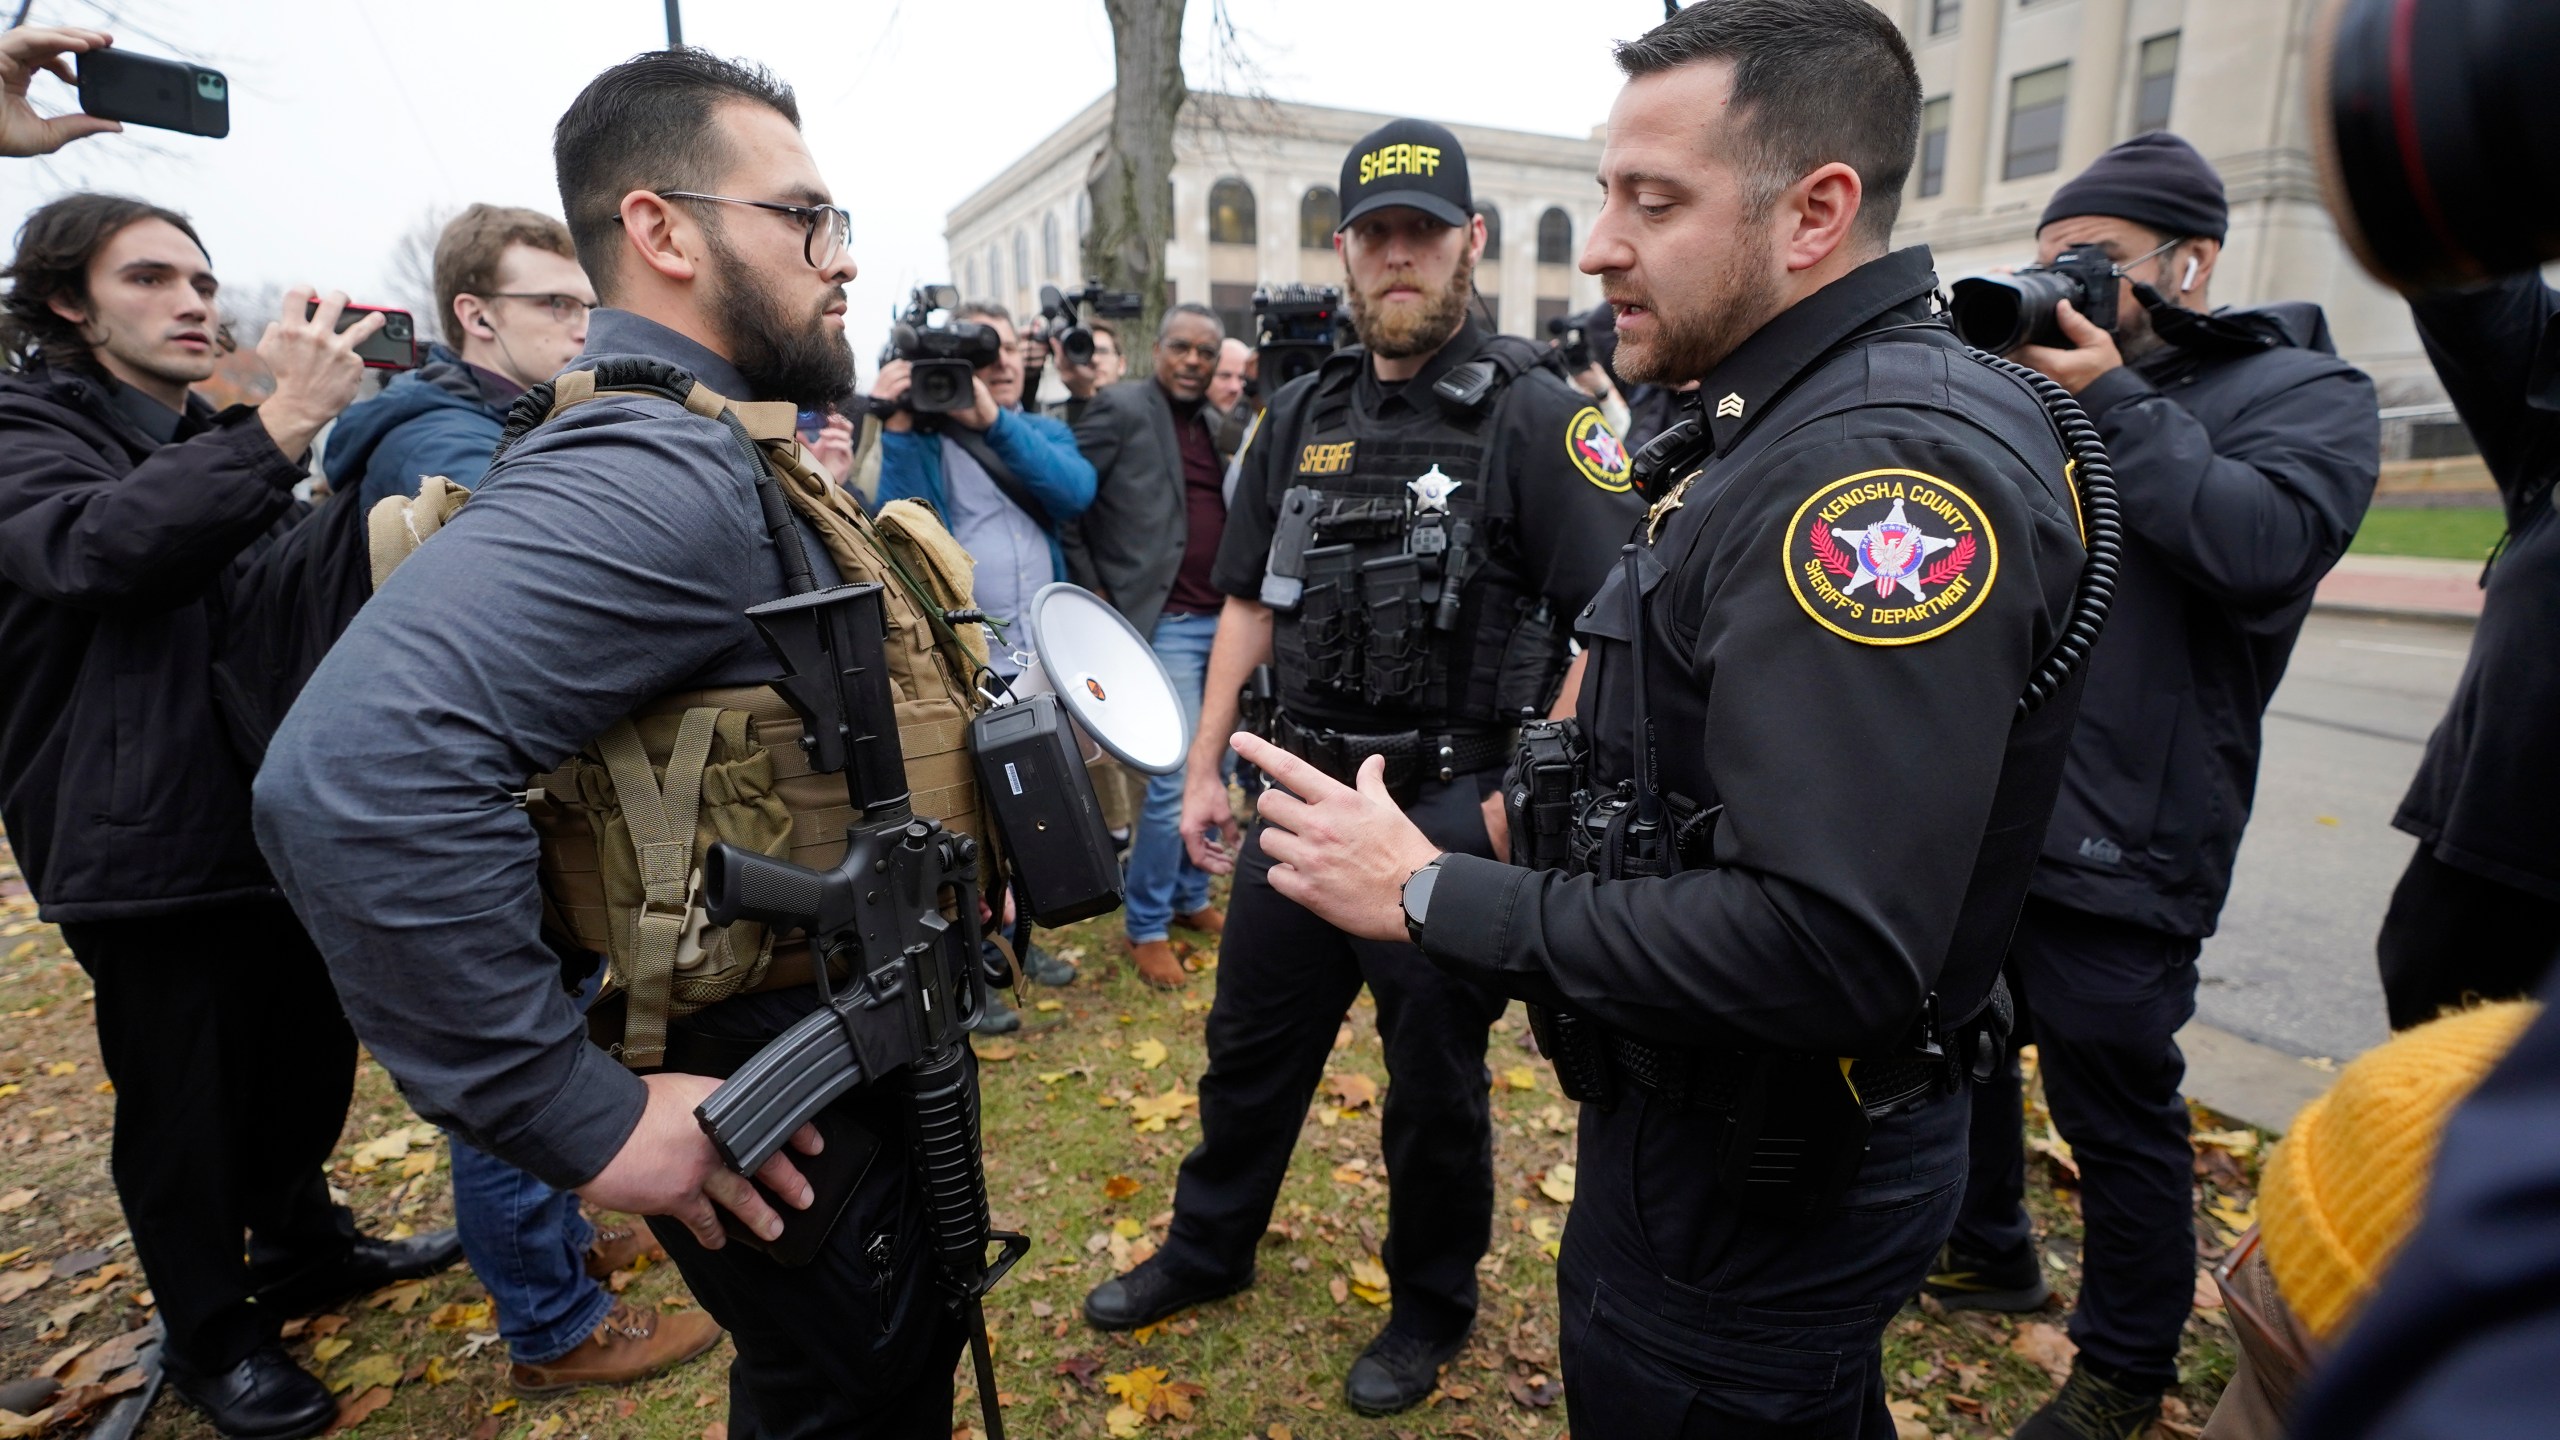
pixel 1417 898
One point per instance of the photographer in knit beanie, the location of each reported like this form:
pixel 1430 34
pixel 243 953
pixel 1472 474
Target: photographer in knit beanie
pixel 2245 450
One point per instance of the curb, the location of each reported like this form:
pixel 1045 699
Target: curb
pixel 2454 618
pixel 2236 1076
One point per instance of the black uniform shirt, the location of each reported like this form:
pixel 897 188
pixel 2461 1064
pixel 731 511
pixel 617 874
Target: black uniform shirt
pixel 1856 733
pixel 1571 503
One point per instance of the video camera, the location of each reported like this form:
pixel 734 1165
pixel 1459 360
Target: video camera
pixel 1295 328
pixel 943 358
pixel 1062 316
pixel 1999 313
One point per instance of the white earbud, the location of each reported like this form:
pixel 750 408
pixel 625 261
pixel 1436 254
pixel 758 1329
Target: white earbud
pixel 2188 283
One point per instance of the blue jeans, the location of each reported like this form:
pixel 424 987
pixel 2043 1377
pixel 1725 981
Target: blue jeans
pixel 1162 880
pixel 528 1244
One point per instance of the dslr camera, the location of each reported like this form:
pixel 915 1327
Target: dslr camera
pixel 1295 327
pixel 1999 313
pixel 943 356
pixel 1062 316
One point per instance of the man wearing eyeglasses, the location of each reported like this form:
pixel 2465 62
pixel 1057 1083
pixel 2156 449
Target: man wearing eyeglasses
pixel 608 563
pixel 2245 451
pixel 513 306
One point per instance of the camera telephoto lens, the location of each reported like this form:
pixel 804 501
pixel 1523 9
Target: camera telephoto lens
pixel 939 387
pixel 1999 313
pixel 2438 136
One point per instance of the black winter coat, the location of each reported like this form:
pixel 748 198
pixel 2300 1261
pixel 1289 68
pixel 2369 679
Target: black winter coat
pixel 2243 477
pixel 120 791
pixel 2483 793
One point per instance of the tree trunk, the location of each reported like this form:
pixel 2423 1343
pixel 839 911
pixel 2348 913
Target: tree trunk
pixel 1131 186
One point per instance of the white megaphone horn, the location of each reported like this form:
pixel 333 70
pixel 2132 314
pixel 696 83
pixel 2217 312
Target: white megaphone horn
pixel 1106 677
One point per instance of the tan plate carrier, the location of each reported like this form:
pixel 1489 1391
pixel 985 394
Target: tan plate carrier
pixel 625 822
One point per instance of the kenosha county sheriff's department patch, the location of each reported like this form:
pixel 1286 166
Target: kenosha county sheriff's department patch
pixel 1890 557
pixel 1597 452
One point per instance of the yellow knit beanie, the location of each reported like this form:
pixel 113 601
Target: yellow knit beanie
pixel 2345 1187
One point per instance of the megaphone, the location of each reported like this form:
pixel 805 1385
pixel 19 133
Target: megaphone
pixel 1089 684
pixel 1106 677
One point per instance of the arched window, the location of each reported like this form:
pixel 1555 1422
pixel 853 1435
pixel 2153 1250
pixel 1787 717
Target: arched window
pixel 995 272
pixel 1049 245
pixel 1021 259
pixel 1319 215
pixel 1555 237
pixel 1084 216
pixel 1231 213
pixel 969 277
pixel 1492 230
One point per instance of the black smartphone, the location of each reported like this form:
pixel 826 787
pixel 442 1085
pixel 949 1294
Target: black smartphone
pixel 393 347
pixel 164 94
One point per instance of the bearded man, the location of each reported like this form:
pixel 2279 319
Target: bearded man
pixel 1413 528
pixel 609 561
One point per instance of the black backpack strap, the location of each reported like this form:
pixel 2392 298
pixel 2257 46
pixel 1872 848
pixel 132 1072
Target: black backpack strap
pixel 975 442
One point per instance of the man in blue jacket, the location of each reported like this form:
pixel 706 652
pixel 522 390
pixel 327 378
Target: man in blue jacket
pixel 1004 480
pixel 513 306
pixel 2245 451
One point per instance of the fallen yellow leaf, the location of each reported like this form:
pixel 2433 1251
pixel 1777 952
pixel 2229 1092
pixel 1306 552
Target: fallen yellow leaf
pixel 1520 1077
pixel 1049 1007
pixel 1367 1271
pixel 997 1049
pixel 418 1164
pixel 503 1406
pixel 330 1349
pixel 1123 1422
pixel 438 1371
pixel 60 1068
pixel 1558 1183
pixel 1148 1113
pixel 1120 1187
pixel 1149 1053
pixel 1127 1229
pixel 398 1299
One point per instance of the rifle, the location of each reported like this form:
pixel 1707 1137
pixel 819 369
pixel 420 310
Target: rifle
pixel 913 982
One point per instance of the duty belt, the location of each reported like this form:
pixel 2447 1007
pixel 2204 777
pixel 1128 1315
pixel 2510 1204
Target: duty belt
pixel 1714 1079
pixel 1412 755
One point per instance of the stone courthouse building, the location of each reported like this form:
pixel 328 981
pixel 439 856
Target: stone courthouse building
pixel 2021 94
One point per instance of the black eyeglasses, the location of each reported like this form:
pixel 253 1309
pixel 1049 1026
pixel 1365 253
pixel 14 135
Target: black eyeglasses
pixel 564 308
pixel 832 222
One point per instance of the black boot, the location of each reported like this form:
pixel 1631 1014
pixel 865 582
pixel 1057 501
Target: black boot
pixel 2012 1283
pixel 2092 1406
pixel 368 1264
pixel 1150 1293
pixel 265 1397
pixel 1398 1371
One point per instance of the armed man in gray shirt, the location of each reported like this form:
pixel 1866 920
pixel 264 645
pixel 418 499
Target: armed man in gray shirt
pixel 606 562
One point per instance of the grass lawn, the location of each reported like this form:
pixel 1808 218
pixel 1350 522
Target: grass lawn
pixel 1086 1125
pixel 2448 534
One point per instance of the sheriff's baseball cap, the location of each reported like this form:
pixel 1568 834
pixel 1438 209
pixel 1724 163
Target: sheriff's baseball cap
pixel 1407 162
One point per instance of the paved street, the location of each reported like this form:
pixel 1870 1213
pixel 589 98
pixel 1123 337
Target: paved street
pixel 2293 965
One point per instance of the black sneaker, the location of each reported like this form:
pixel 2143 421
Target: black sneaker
pixel 1398 1371
pixel 1149 1293
pixel 2091 1407
pixel 1970 1282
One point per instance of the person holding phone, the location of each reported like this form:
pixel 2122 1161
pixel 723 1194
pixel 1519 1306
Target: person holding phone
pixel 124 500
pixel 26 51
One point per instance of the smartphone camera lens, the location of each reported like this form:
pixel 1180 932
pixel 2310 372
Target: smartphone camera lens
pixel 210 85
pixel 396 326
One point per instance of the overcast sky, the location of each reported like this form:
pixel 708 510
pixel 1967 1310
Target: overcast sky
pixel 350 119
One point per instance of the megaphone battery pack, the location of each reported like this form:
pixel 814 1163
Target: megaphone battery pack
pixel 1031 778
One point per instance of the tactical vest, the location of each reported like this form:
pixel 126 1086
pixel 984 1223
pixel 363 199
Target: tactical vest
pixel 1373 634
pixel 625 822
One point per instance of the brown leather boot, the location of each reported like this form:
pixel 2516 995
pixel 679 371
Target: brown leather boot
pixel 619 1247
pixel 1157 965
pixel 631 1344
pixel 1208 920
